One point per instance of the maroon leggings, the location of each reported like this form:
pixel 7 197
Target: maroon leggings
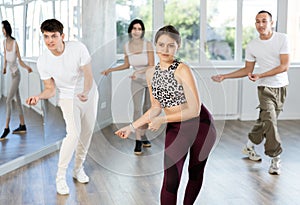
pixel 196 136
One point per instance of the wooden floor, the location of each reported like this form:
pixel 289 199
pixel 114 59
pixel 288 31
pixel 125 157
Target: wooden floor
pixel 118 177
pixel 41 131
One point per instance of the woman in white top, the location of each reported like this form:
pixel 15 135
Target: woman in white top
pixel 139 54
pixel 11 53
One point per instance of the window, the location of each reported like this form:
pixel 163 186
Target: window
pixel 71 19
pixel 225 36
pixel 220 29
pixel 36 11
pixel 293 29
pixel 185 16
pixel 18 31
pixel 7 14
pixel 229 25
pixel 126 11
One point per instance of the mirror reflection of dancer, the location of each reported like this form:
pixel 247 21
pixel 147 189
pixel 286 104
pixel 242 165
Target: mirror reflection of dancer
pixel 67 67
pixel 139 54
pixel 11 54
pixel 271 53
pixel 190 127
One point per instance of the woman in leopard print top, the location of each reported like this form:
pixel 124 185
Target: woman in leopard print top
pixel 190 126
pixel 165 87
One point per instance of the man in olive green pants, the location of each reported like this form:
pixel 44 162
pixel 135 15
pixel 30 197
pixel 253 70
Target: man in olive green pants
pixel 270 51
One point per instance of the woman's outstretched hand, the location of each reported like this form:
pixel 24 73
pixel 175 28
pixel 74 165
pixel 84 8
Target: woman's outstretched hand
pixel 106 72
pixel 217 78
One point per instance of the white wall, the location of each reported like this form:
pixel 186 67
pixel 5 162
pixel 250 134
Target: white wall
pixel 220 99
pixel 99 35
pixel 291 109
pixel 231 99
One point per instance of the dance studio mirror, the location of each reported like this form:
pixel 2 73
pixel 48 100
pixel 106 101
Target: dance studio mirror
pixel 44 123
pixel 45 126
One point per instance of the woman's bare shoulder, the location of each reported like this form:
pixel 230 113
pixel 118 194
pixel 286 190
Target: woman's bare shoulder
pixel 182 67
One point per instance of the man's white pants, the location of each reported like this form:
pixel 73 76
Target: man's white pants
pixel 80 118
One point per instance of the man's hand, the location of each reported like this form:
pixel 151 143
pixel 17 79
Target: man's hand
pixel 33 100
pixel 29 70
pixel 124 132
pixel 253 77
pixel 83 96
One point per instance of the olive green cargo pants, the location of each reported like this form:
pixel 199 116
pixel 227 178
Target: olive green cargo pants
pixel 271 103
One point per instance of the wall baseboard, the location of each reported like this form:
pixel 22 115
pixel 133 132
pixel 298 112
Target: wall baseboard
pixel 26 159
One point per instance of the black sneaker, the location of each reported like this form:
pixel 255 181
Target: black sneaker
pixel 20 130
pixel 5 133
pixel 146 142
pixel 138 147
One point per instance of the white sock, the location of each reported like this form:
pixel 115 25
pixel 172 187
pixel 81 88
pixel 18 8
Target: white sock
pixel 250 144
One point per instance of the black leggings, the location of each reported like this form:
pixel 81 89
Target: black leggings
pixel 196 136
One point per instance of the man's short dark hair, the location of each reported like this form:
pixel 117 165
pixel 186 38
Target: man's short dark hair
pixel 52 25
pixel 263 11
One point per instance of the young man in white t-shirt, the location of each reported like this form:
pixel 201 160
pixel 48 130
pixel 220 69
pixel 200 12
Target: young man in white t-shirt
pixel 67 67
pixel 271 53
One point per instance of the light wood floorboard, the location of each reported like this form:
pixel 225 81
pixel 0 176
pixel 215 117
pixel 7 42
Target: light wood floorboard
pixel 118 177
pixel 41 131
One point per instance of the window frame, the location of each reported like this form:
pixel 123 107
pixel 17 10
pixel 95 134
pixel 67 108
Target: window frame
pixel 7 12
pixel 158 19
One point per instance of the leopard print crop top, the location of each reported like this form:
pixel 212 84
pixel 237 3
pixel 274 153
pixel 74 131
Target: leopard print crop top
pixel 165 87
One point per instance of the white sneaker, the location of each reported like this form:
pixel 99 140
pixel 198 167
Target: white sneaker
pixel 275 166
pixel 252 155
pixel 81 176
pixel 61 186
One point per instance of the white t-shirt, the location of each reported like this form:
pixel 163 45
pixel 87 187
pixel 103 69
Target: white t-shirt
pixel 267 55
pixel 65 69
